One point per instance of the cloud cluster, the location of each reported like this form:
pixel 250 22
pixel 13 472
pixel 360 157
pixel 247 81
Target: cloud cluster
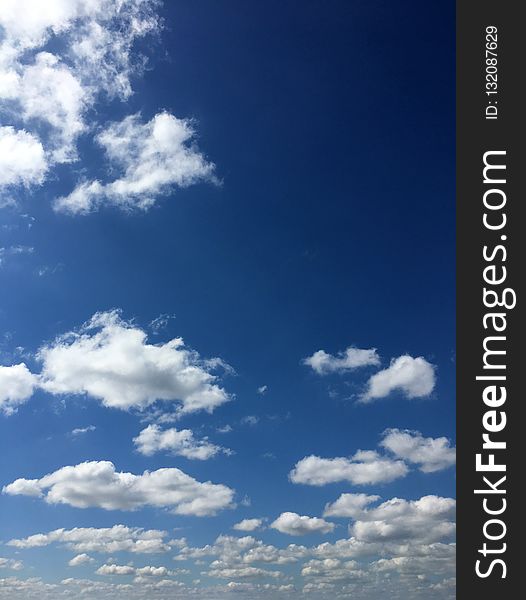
pixel 368 467
pixel 56 60
pixel 181 442
pixel 10 563
pixel 111 360
pixel 293 524
pixel 352 358
pixel 414 377
pixel 427 520
pixel 106 540
pixel 148 571
pixel 98 484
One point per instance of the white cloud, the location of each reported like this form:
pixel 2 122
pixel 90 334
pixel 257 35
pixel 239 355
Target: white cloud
pixel 17 384
pixel 427 520
pixel 154 158
pixel 262 390
pixel 365 467
pixel 10 563
pixel 83 430
pixel 431 454
pixel 115 570
pixel 148 571
pixel 22 158
pixel 52 92
pixel 250 420
pixel 248 525
pixel 293 524
pixel 349 505
pixel 111 360
pixel 80 559
pixel 240 572
pixel 414 377
pixel 352 358
pixel 182 442
pixel 108 540
pixel 225 429
pixel 98 484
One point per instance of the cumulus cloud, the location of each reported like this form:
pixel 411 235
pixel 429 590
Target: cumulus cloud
pixel 352 358
pixel 430 454
pixel 248 525
pixel 148 571
pixel 427 520
pixel 80 559
pixel 365 467
pixel 154 158
pixel 111 360
pixel 414 377
pixel 51 91
pixel 17 384
pixel 293 524
pixel 22 158
pixel 182 442
pixel 349 505
pixel 98 484
pixel 115 570
pixel 107 540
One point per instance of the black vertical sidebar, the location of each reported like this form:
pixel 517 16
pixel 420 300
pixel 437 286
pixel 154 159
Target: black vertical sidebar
pixel 490 126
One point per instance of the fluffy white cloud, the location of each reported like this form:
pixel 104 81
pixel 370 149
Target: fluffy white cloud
pixel 182 442
pixel 17 384
pixel 352 358
pixel 52 92
pixel 115 570
pixel 248 525
pixel 154 157
pixel 293 524
pixel 98 484
pixel 431 454
pixel 111 360
pixel 349 505
pixel 80 559
pixel 414 377
pixel 22 158
pixel 427 520
pixel 107 540
pixel 365 467
pixel 148 571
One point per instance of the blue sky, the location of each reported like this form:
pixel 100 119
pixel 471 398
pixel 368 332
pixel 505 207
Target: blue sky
pixel 264 181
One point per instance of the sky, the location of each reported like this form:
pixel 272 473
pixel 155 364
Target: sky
pixel 227 337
